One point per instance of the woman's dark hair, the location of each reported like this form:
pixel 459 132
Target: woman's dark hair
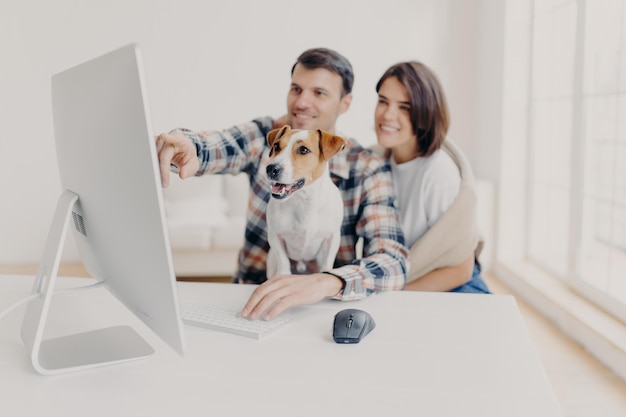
pixel 332 61
pixel 429 113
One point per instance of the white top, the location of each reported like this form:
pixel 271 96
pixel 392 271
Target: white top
pixel 426 188
pixel 431 354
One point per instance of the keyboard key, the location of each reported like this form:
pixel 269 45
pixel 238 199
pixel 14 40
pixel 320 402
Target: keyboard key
pixel 203 315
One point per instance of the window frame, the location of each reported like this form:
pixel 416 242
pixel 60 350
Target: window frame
pixel 573 277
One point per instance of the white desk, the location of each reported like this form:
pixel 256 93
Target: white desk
pixel 430 355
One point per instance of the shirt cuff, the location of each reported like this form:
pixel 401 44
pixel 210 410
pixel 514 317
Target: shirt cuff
pixel 353 282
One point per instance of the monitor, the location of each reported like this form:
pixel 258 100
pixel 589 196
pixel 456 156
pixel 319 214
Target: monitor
pixel 111 200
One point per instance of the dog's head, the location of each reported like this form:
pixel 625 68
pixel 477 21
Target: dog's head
pixel 298 158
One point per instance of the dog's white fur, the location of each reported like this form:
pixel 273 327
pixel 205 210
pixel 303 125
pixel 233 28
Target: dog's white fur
pixel 305 211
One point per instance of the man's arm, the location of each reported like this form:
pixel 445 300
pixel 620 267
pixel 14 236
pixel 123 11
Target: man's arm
pixel 384 263
pixel 383 267
pixel 196 153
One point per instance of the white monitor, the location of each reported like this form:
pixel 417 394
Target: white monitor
pixel 112 202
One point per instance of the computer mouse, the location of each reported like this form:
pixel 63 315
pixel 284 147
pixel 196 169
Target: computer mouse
pixel 352 325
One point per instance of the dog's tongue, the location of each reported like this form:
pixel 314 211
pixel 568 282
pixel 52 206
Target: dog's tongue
pixel 278 188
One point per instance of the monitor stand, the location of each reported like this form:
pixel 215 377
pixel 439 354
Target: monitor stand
pixel 79 351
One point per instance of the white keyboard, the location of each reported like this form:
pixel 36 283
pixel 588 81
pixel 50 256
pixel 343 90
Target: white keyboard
pixel 203 315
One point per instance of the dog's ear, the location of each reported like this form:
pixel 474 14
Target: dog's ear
pixel 330 144
pixel 275 135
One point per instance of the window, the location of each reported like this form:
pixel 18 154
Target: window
pixel 577 150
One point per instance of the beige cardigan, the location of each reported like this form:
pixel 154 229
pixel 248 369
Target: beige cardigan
pixel 449 241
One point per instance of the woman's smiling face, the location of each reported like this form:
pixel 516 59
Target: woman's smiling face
pixel 393 122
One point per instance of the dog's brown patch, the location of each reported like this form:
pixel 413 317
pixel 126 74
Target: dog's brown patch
pixel 309 154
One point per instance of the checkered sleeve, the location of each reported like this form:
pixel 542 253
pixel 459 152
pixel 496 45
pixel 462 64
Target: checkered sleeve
pixel 240 149
pixel 231 151
pixel 384 264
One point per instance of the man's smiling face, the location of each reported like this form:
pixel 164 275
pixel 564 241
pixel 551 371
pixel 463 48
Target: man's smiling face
pixel 316 99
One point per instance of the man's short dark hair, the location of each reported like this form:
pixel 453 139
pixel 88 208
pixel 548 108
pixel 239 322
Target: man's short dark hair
pixel 332 61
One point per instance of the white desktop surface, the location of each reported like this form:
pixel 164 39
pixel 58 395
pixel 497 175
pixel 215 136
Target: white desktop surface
pixel 431 354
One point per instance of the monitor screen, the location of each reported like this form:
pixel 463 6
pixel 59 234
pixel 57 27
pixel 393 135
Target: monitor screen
pixel 107 159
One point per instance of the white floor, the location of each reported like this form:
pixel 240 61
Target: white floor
pixel 584 387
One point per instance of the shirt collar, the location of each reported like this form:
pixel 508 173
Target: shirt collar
pixel 338 164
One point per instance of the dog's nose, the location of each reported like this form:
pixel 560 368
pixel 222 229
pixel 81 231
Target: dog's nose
pixel 273 171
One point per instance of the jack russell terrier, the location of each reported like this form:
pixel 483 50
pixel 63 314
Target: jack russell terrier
pixel 305 210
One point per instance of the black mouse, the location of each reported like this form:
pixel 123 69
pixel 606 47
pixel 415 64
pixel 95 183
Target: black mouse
pixel 352 325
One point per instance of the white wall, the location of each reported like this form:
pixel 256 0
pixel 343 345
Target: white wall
pixel 209 65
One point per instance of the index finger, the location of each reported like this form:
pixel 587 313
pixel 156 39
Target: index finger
pixel 263 297
pixel 165 154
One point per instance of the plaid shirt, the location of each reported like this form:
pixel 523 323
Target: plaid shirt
pixel 364 180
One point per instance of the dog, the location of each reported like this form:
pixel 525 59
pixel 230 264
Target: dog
pixel 305 210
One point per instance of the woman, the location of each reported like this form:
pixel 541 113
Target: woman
pixel 432 179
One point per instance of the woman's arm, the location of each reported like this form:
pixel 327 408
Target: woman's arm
pixel 444 279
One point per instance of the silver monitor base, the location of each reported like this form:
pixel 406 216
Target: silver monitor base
pixel 79 351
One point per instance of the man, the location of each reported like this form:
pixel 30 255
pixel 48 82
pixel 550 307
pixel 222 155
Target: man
pixel 321 85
